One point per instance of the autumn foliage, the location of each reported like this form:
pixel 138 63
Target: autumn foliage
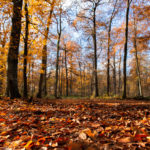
pixel 69 71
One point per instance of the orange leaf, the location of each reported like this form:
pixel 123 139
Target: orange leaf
pixel 28 145
pixel 2 120
pixel 124 140
pixel 2 114
pixel 41 140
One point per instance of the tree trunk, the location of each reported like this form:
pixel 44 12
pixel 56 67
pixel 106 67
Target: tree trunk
pixel 71 81
pixel 114 73
pixel 32 79
pixel 62 76
pixel 42 83
pixel 7 89
pixel 80 79
pixel 25 93
pixel 57 67
pixel 59 78
pixel 108 51
pixel 57 58
pixel 126 51
pixel 108 61
pixel 119 86
pixel 92 81
pixel 85 87
pixel 66 68
pixel 137 61
pixel 95 53
pixel 108 58
pixel 14 49
pixel 91 84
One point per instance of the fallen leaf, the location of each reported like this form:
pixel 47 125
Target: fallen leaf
pixel 82 136
pixel 148 138
pixel 95 125
pixel 28 144
pixel 125 140
pixel 89 132
pixel 74 146
pixel 2 120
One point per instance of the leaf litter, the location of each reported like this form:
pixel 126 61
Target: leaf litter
pixel 74 125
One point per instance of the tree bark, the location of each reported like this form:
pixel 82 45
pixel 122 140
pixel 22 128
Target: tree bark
pixel 108 61
pixel 95 52
pixel 71 81
pixel 114 73
pixel 66 68
pixel 84 79
pixel 60 76
pixel 32 78
pixel 14 50
pixel 25 93
pixel 108 51
pixel 57 58
pixel 119 86
pixel 80 79
pixel 126 50
pixel 137 61
pixel 42 83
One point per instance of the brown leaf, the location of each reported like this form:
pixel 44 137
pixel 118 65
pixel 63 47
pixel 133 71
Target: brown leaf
pixel 75 146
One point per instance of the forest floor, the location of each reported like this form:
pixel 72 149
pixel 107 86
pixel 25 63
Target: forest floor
pixel 68 124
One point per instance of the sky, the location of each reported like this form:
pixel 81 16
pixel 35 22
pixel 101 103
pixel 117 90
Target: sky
pixel 68 3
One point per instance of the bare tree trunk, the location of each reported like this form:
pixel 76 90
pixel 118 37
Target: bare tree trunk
pixel 43 83
pixel 119 86
pixel 114 73
pixel 60 77
pixel 57 65
pixel 137 61
pixel 108 61
pixel 92 81
pixel 85 81
pixel 126 50
pixel 14 50
pixel 108 51
pixel 33 83
pixel 91 84
pixel 95 52
pixel 71 83
pixel 57 58
pixel 29 83
pixel 25 93
pixel 80 79
pixel 66 68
